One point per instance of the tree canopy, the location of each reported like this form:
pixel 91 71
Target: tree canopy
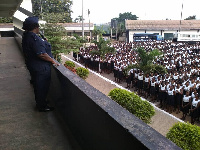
pixel 98 32
pixel 191 18
pixel 145 61
pixel 57 36
pixel 43 7
pixel 121 21
pixel 103 48
pixel 126 16
pixel 55 12
pixel 78 19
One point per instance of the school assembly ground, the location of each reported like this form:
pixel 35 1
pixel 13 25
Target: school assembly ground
pixel 161 121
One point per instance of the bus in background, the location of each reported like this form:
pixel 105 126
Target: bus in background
pixel 146 37
pixel 186 37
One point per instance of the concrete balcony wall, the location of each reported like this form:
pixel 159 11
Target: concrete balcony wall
pixel 97 122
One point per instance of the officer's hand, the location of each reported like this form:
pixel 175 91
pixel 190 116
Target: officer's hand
pixel 55 64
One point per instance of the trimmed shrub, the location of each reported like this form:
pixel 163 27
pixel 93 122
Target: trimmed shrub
pixel 133 103
pixel 82 72
pixel 70 64
pixel 185 135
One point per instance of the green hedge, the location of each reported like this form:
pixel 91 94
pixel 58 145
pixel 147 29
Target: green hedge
pixel 185 135
pixel 133 103
pixel 82 72
pixel 70 64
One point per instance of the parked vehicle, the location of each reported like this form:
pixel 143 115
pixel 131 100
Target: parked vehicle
pixel 146 37
pixel 186 37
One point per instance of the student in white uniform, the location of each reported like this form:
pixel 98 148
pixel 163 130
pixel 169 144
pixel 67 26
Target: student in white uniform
pixel 192 85
pixel 128 79
pixel 194 112
pixel 186 87
pixel 178 97
pixel 140 83
pixel 162 94
pixel 135 79
pixel 146 85
pixel 170 99
pixel 153 89
pixel 115 71
pixel 186 104
pixel 120 73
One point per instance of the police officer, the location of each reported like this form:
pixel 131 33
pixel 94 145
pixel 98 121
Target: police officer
pixel 38 59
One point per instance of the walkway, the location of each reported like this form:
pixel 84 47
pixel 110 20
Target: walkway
pixel 21 126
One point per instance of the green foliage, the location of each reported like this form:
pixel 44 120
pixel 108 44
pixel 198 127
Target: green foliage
pixel 133 103
pixel 70 64
pixel 145 62
pixel 121 20
pixel 126 16
pixel 103 48
pixel 80 39
pixel 57 36
pixel 147 58
pixel 54 12
pixel 82 72
pixel 153 68
pixel 55 33
pixel 79 19
pixel 185 135
pixel 98 31
pixel 105 28
pixel 191 18
pixel 6 20
pixel 54 17
pixel 62 7
pixel 159 69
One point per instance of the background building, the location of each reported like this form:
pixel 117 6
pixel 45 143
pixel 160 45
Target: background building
pixel 76 28
pixel 166 28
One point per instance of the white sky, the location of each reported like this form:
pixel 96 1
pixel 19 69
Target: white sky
pixel 102 11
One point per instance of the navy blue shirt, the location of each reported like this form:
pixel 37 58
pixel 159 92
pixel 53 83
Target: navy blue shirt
pixel 33 46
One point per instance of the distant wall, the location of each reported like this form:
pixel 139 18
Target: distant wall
pixel 97 122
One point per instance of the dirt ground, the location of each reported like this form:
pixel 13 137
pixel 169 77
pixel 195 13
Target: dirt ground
pixel 161 121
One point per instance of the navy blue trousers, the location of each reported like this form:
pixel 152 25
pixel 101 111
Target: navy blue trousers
pixel 41 83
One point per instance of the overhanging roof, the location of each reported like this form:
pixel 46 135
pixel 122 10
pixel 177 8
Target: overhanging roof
pixel 8 7
pixel 162 24
pixel 78 24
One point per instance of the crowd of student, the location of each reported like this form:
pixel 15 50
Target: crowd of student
pixel 178 90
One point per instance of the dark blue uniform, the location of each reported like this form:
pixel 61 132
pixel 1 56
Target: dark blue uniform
pixel 39 69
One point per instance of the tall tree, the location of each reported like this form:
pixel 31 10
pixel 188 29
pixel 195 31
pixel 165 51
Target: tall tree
pixel 103 48
pixel 79 19
pixel 121 21
pixel 57 36
pixel 53 6
pixel 126 16
pixel 98 32
pixel 55 12
pixel 191 18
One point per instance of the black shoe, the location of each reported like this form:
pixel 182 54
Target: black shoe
pixel 45 109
